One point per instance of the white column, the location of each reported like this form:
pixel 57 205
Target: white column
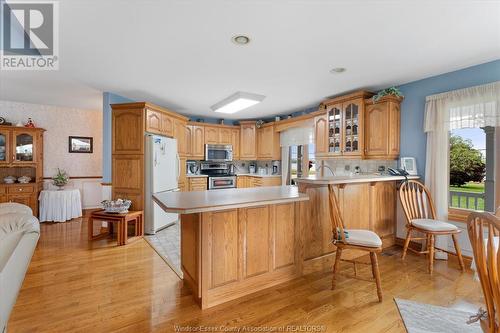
pixel 489 183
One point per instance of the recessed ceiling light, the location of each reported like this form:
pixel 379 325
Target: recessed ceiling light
pixel 337 70
pixel 237 102
pixel 241 39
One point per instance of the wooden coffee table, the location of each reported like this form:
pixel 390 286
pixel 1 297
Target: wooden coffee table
pixel 122 221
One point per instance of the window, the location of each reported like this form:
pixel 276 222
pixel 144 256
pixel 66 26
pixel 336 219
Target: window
pixel 302 161
pixel 467 168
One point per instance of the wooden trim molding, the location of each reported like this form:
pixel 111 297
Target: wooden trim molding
pixel 196 123
pixel 107 184
pixel 305 120
pixel 147 105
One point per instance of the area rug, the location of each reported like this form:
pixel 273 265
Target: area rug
pixel 166 243
pixel 426 318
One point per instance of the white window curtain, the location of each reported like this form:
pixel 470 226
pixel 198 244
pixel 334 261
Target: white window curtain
pixel 472 107
pixel 296 136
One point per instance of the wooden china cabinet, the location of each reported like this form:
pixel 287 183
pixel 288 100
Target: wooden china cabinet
pixel 21 154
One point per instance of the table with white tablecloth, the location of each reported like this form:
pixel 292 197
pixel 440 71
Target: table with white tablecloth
pixel 60 205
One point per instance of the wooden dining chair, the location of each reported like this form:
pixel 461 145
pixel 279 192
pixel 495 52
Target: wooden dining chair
pixel 483 228
pixel 421 216
pixel 356 239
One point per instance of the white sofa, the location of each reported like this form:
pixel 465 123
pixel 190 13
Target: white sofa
pixel 19 233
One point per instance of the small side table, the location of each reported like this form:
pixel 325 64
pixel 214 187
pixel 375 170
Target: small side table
pixel 122 221
pixel 60 205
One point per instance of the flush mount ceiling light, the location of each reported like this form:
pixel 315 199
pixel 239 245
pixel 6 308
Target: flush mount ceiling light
pixel 237 102
pixel 337 70
pixel 241 39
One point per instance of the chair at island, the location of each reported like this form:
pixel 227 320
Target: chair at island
pixel 421 216
pixel 484 230
pixel 355 239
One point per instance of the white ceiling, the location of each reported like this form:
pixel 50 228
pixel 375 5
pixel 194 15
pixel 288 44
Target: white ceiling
pixel 179 54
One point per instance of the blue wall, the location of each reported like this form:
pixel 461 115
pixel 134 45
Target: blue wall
pixel 413 138
pixel 107 99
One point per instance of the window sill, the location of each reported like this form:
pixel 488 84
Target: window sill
pixel 458 215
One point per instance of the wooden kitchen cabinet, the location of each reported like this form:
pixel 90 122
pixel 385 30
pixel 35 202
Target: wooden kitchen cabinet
pixel 242 181
pixel 130 121
pixel 198 183
pixel 383 197
pixel 256 181
pixel 159 122
pixel 189 140
pixel 382 133
pixel 268 143
pixel 128 131
pixel 233 252
pixel 235 141
pixel 355 127
pixel 321 134
pixel 211 135
pixel 248 146
pixel 154 122
pixel 181 136
pixel 182 180
pixel 218 135
pixel 225 136
pixel 197 142
pixel 167 125
pixel 344 129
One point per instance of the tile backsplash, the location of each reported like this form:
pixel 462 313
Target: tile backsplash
pixel 343 167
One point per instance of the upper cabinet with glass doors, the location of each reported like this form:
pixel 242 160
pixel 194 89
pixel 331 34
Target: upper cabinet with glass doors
pixel 18 145
pixel 344 131
pixel 350 128
pixel 24 146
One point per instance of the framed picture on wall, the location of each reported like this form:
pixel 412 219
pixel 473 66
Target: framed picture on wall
pixel 81 144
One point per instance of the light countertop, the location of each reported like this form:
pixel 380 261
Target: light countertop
pixel 238 174
pixel 206 201
pixel 256 175
pixel 363 178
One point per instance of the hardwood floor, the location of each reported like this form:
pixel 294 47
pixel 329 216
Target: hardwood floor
pixel 76 286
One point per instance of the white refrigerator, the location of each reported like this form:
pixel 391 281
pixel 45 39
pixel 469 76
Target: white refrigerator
pixel 162 175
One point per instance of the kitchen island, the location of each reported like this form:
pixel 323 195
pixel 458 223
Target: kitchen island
pixel 366 201
pixel 237 241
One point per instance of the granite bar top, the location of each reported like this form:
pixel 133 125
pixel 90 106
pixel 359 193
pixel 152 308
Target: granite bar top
pixel 206 201
pixel 196 176
pixel 363 178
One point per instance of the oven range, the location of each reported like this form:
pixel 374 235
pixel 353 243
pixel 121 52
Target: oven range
pixel 219 174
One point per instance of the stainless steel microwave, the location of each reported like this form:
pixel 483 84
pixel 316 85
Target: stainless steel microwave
pixel 218 153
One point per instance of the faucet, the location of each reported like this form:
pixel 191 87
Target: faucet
pixel 326 167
